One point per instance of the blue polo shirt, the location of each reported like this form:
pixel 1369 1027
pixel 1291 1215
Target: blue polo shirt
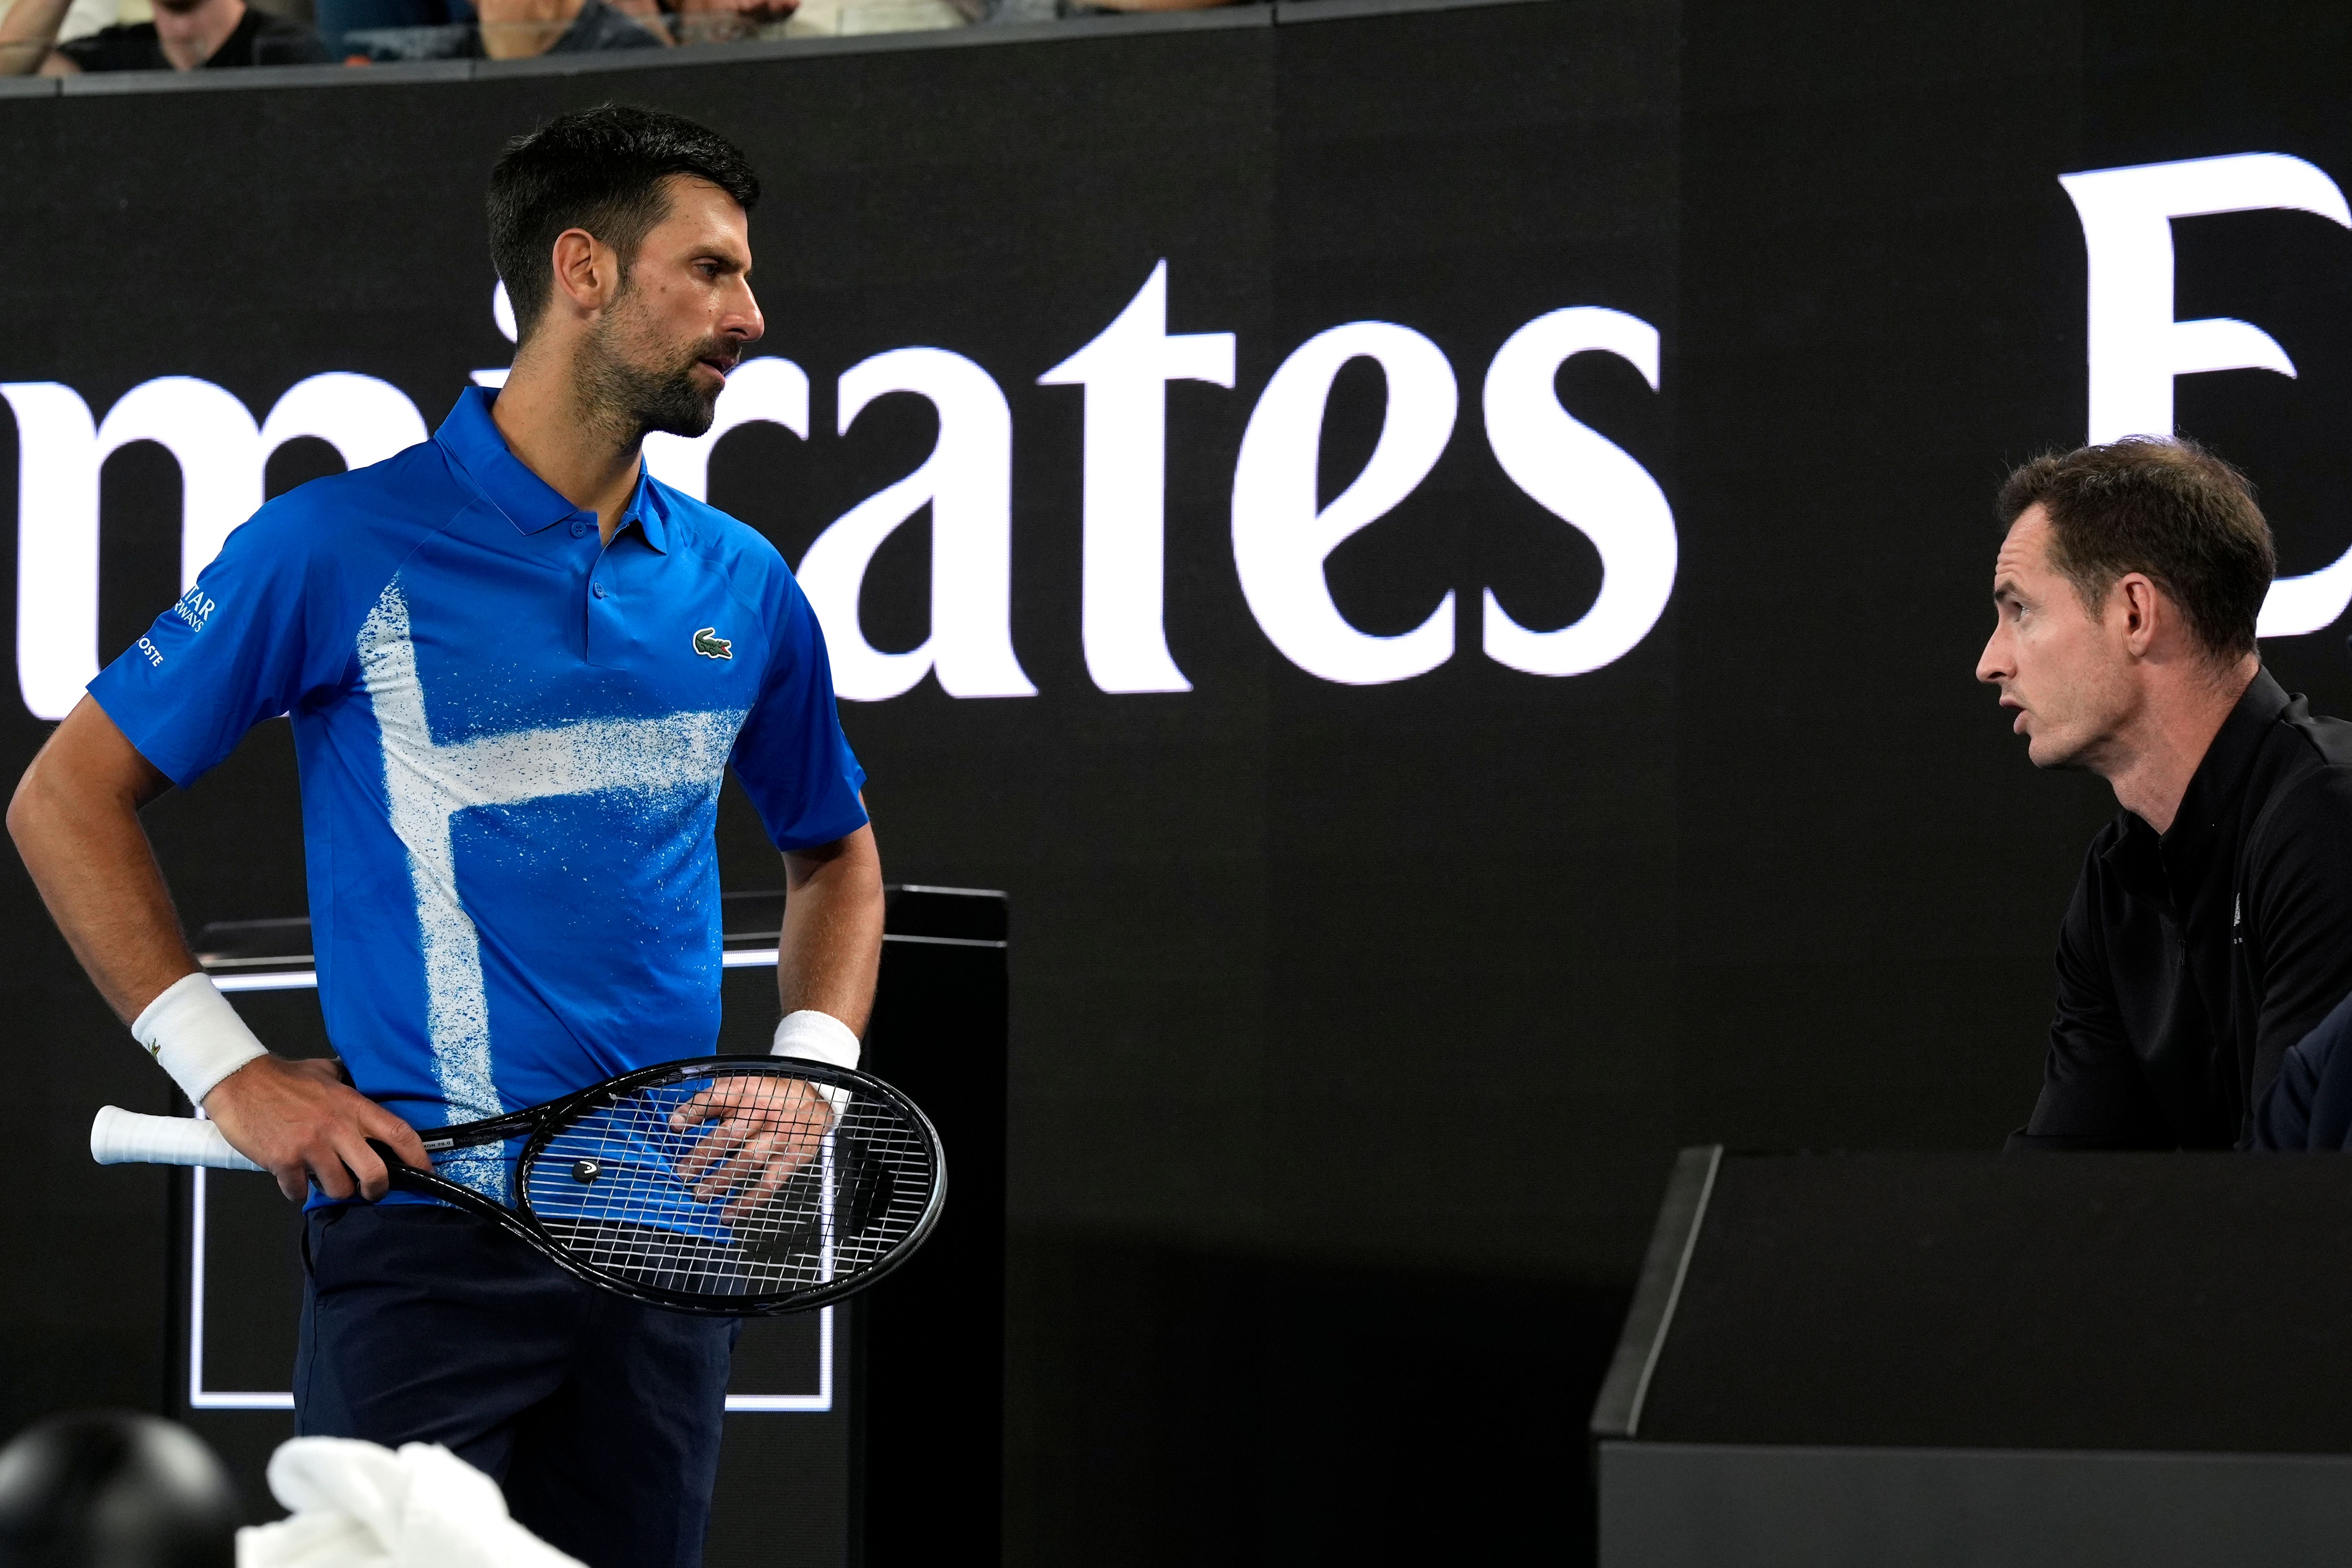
pixel 511 742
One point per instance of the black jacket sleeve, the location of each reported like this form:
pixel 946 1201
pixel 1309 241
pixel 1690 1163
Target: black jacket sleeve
pixel 2299 889
pixel 2095 1092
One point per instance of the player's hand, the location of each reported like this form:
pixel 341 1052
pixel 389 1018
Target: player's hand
pixel 763 1128
pixel 300 1121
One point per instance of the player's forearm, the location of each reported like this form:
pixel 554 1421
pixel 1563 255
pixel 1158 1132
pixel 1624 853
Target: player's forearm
pixel 831 948
pixel 75 820
pixel 27 33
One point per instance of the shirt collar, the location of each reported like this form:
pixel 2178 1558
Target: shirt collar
pixel 649 510
pixel 2157 867
pixel 471 439
pixel 2218 778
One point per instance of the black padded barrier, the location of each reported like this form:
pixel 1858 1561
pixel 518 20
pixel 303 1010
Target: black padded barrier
pixel 1932 1358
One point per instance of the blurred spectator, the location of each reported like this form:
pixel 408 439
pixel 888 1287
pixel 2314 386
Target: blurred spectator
pixel 337 19
pixel 516 30
pixel 725 21
pixel 508 30
pixel 186 35
pixel 113 1488
pixel 833 18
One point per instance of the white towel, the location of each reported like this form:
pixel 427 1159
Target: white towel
pixel 357 1505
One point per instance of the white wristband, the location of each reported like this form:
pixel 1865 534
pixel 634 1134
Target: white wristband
pixel 815 1036
pixel 197 1037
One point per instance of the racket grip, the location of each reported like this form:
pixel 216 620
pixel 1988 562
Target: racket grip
pixel 119 1137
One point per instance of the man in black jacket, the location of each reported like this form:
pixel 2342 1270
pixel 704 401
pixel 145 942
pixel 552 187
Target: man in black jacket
pixel 2211 930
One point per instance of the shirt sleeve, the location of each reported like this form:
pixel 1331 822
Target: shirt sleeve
pixel 790 756
pixel 2095 1092
pixel 2299 889
pixel 240 647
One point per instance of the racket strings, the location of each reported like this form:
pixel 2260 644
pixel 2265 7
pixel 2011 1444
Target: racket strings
pixel 732 1186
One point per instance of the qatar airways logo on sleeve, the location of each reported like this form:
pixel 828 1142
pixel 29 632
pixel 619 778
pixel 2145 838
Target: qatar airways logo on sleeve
pixel 195 608
pixel 1282 532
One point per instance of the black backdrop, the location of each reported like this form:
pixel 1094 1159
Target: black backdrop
pixel 1354 1026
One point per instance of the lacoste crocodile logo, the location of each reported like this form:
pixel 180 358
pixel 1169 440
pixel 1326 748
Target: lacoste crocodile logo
pixel 711 645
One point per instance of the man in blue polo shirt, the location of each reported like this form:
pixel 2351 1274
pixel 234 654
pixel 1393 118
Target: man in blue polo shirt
pixel 517 669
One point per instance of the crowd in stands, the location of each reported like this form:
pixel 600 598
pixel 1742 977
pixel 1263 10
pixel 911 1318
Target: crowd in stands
pixel 65 37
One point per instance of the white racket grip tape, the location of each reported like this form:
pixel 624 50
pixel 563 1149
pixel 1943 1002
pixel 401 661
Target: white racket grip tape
pixel 119 1137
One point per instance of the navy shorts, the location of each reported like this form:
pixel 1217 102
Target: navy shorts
pixel 600 1417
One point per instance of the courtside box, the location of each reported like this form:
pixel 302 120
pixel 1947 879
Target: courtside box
pixel 2022 1360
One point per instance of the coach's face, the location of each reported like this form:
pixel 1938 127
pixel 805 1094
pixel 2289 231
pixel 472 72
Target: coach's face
pixel 685 311
pixel 2065 672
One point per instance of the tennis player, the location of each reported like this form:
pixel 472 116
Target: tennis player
pixel 516 668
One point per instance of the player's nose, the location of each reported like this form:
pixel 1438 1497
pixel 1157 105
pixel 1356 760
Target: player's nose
pixel 1991 667
pixel 746 325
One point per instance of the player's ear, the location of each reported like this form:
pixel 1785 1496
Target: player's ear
pixel 2142 607
pixel 587 271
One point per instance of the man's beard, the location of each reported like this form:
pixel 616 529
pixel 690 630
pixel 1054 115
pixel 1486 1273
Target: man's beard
pixel 641 399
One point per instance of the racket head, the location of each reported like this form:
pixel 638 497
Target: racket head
pixel 730 1186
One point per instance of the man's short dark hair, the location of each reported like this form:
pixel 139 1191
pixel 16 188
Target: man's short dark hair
pixel 599 169
pixel 2168 509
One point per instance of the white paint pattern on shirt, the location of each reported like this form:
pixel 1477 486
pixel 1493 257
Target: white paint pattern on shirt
pixel 428 783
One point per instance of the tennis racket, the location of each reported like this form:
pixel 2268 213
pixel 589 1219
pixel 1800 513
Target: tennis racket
pixel 726 1186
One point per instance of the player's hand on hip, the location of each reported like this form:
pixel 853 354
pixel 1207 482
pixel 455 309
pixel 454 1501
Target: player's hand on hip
pixel 300 1121
pixel 763 1128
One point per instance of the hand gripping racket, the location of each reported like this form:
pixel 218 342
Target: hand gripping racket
pixel 726 1186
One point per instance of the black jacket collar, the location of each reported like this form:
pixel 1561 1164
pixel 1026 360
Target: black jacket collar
pixel 2153 867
